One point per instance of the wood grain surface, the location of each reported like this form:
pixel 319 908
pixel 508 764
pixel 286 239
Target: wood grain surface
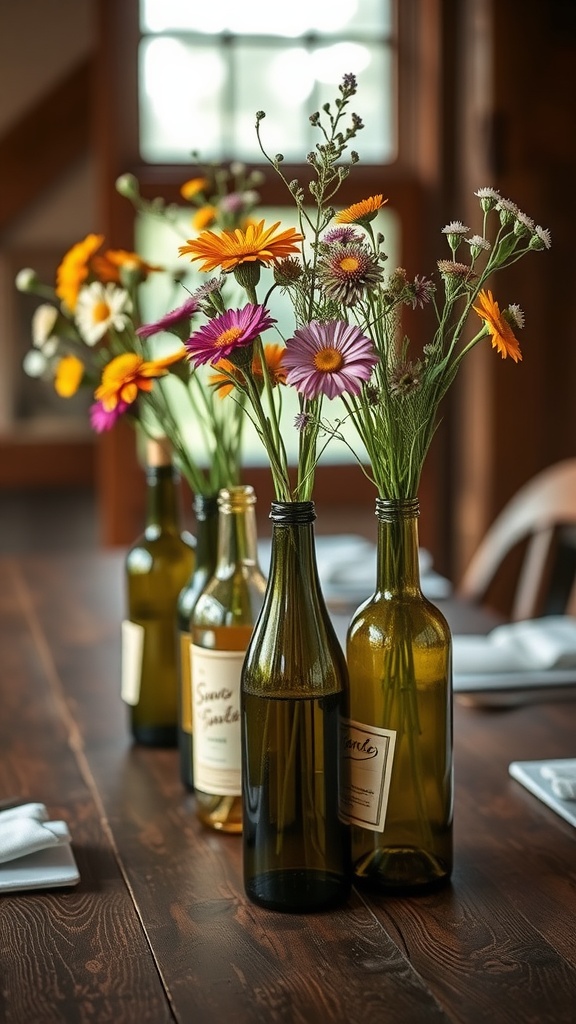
pixel 159 928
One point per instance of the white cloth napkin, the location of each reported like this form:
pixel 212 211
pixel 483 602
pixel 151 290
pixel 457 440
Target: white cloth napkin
pixel 34 852
pixel 544 644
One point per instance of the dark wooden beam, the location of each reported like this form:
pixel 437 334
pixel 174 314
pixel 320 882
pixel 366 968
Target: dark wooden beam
pixel 45 141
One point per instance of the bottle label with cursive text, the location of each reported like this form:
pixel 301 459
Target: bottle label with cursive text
pixel 216 714
pixel 367 756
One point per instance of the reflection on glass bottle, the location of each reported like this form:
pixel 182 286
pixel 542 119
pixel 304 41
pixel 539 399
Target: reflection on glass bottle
pixel 296 848
pixel 398 738
pixel 206 511
pixel 156 568
pixel 221 626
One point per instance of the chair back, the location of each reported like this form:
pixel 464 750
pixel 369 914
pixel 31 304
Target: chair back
pixel 536 515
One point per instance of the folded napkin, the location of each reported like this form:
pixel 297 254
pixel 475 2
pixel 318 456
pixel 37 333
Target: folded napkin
pixel 34 852
pixel 553 782
pixel 347 568
pixel 531 645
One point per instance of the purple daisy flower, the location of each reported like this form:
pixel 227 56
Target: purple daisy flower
pixel 171 321
pixel 103 419
pixel 236 328
pixel 330 358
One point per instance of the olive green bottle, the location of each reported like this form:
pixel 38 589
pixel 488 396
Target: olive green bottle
pixel 155 569
pixel 221 626
pixel 398 734
pixel 296 849
pixel 206 512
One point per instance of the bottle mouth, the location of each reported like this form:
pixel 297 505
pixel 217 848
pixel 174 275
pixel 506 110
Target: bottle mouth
pixel 237 498
pixel 390 510
pixel 292 513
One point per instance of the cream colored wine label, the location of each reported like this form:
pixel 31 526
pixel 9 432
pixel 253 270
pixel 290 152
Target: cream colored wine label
pixel 132 652
pixel 367 756
pixel 216 714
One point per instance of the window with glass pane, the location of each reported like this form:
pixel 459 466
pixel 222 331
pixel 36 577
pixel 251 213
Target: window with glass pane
pixel 205 69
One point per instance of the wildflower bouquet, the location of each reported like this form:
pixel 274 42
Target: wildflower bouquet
pixel 90 334
pixel 347 338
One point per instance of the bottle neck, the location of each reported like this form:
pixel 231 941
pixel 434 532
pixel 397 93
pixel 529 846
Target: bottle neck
pixel 206 513
pixel 237 535
pixel 162 508
pixel 398 569
pixel 293 549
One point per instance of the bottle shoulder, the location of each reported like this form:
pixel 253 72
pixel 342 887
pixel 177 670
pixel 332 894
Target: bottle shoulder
pixel 152 551
pixel 389 614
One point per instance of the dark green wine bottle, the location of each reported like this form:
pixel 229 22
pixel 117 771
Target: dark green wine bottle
pixel 296 849
pixel 156 568
pixel 398 737
pixel 206 511
pixel 221 626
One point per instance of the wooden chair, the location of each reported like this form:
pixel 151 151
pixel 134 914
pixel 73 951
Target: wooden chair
pixel 535 524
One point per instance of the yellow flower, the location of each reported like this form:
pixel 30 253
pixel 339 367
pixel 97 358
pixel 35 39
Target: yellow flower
pixel 204 217
pixel 503 337
pixel 231 248
pixel 73 270
pixel 69 373
pixel 364 211
pixel 128 374
pixel 192 187
pixel 108 267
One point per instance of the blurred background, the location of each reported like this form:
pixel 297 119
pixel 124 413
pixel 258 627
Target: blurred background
pixel 455 94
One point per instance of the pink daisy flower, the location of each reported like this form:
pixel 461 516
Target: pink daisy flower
pixel 330 358
pixel 104 419
pixel 236 328
pixel 171 321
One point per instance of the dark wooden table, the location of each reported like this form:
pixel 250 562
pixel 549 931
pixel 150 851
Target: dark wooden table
pixel 159 929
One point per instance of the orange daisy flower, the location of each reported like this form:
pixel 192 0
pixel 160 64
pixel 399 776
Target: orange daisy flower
pixel 108 266
pixel 128 374
pixel 364 211
pixel 192 187
pixel 503 337
pixel 73 270
pixel 255 244
pixel 274 356
pixel 204 217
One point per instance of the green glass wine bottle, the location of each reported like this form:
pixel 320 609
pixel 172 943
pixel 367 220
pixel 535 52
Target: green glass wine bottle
pixel 206 512
pixel 221 627
pixel 296 848
pixel 398 740
pixel 156 568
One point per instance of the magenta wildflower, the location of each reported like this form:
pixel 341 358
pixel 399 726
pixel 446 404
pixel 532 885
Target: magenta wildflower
pixel 330 358
pixel 236 328
pixel 171 321
pixel 104 419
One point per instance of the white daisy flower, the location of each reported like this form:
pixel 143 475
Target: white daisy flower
pixel 478 242
pixel 44 320
pixel 541 239
pixel 100 307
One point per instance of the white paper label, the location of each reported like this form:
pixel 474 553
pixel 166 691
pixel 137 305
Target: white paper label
pixel 367 756
pixel 216 715
pixel 132 652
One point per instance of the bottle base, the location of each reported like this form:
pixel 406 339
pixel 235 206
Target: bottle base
pixel 401 870
pixel 155 735
pixel 297 891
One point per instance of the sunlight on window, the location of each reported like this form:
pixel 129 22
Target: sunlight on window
pixel 263 17
pixel 205 69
